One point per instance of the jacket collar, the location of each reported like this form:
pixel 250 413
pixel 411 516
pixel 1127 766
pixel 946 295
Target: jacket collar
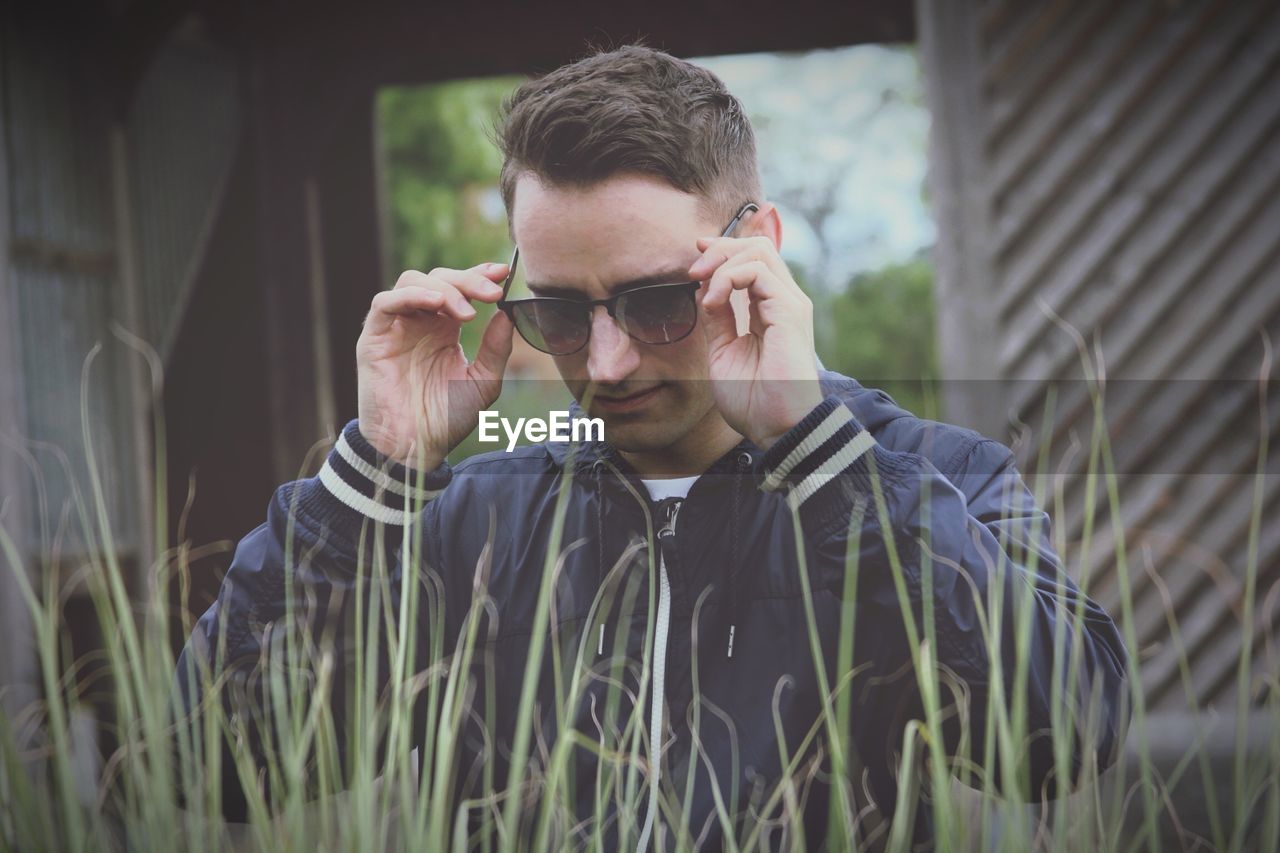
pixel 873 409
pixel 586 456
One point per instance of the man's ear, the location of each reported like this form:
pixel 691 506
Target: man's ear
pixel 766 221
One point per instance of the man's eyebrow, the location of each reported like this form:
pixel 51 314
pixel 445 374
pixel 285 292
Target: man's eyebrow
pixel 673 275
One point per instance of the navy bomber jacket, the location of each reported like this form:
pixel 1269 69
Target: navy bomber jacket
pixel 859 516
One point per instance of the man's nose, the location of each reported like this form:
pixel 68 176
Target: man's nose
pixel 611 354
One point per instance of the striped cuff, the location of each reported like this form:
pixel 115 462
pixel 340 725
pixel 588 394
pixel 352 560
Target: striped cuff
pixel 362 479
pixel 827 443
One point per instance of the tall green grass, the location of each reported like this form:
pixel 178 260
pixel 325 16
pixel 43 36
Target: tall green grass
pixel 358 786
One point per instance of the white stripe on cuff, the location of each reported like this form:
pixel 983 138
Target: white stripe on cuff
pixel 833 467
pixel 829 426
pixel 368 507
pixel 379 478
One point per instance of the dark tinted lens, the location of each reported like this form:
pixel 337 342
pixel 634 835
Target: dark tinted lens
pixel 556 326
pixel 658 315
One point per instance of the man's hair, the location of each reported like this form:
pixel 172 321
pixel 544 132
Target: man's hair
pixel 632 110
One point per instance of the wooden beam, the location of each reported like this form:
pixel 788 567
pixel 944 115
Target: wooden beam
pixel 347 51
pixel 61 257
pixel 405 43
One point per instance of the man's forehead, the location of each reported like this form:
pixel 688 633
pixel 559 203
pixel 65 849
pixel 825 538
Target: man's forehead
pixel 623 208
pixel 610 234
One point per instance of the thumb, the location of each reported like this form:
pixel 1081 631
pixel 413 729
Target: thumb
pixel 495 347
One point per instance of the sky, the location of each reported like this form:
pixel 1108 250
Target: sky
pixel 848 123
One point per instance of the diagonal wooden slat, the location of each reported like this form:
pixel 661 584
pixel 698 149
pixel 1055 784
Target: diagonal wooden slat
pixel 1205 436
pixel 1178 122
pixel 1248 281
pixel 1114 87
pixel 1008 61
pixel 1249 149
pixel 1048 69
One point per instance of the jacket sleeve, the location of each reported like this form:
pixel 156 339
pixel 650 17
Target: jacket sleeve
pixel 290 598
pixel 986 546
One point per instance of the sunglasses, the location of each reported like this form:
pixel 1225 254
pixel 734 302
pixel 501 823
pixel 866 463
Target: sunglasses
pixel 656 314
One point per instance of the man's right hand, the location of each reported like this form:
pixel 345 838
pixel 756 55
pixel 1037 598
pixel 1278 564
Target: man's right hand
pixel 418 395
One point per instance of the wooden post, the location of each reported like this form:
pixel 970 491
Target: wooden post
pixel 351 237
pixel 141 399
pixel 278 138
pixel 950 50
pixel 323 362
pixel 17 650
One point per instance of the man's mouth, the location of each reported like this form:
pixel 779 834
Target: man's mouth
pixel 627 403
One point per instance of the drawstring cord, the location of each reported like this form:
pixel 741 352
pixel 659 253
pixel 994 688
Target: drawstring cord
pixel 597 468
pixel 733 597
pixel 733 604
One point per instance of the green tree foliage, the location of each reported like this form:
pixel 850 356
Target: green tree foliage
pixel 441 177
pixel 884 334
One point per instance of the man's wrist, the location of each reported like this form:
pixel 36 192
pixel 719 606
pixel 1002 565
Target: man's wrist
pixel 375 485
pixel 412 458
pixel 802 408
pixel 827 447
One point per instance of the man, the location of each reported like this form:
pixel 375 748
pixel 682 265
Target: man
pixel 741 596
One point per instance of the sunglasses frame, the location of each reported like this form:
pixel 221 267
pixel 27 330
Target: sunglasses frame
pixel 507 306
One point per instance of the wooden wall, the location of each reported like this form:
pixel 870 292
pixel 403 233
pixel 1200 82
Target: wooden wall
pixel 1107 182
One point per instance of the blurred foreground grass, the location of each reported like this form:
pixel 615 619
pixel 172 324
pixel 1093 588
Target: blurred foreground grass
pixel 1199 781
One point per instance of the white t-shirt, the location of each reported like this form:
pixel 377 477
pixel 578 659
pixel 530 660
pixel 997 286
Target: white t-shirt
pixel 674 488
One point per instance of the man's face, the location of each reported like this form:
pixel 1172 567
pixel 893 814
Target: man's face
pixel 595 242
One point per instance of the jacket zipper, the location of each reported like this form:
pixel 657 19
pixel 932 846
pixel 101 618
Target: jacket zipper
pixel 662 628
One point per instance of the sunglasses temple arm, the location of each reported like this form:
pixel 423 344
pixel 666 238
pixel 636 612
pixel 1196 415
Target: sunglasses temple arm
pixel 511 274
pixel 741 213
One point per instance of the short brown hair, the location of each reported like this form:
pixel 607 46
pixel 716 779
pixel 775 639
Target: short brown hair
pixel 631 110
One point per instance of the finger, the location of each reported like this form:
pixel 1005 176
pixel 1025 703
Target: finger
pixel 389 304
pixel 740 273
pixel 719 325
pixel 773 302
pixel 721 287
pixel 717 251
pixel 748 314
pixel 459 286
pixel 479 282
pixel 495 347
pixel 441 300
pixel 455 301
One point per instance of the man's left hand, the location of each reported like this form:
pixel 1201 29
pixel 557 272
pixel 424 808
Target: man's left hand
pixel 766 380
